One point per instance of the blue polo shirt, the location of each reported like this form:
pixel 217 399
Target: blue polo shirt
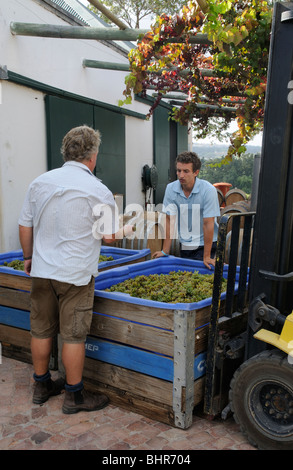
pixel 190 211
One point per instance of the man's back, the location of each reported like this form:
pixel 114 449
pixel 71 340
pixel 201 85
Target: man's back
pixel 59 206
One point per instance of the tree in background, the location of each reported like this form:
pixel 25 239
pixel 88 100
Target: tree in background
pixel 239 172
pixel 132 12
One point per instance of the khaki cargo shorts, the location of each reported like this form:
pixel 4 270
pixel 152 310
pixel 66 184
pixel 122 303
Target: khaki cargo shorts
pixel 59 307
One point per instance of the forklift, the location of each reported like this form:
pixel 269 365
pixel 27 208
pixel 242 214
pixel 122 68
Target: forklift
pixel 250 348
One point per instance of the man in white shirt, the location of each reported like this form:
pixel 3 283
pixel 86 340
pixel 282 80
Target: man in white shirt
pixel 61 240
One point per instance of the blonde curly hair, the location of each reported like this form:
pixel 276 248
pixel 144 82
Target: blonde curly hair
pixel 80 143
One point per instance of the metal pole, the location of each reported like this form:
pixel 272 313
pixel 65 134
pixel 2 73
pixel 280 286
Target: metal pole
pixel 255 179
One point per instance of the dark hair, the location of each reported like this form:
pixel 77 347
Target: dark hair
pixel 80 143
pixel 189 157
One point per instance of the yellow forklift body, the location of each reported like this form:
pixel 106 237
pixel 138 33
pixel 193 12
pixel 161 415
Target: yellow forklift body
pixel 283 341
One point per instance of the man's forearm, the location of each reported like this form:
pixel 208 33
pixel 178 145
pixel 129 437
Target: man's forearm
pixel 26 240
pixel 208 233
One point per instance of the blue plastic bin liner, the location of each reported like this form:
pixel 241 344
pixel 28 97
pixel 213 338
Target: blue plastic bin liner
pixel 162 265
pixel 120 255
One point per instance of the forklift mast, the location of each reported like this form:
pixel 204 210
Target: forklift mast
pixel 272 255
pixel 264 295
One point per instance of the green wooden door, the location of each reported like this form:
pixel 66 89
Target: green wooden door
pixel 182 138
pixel 111 159
pixel 62 115
pixel 161 129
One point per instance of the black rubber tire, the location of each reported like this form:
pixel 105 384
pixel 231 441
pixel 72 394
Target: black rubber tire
pixel 261 399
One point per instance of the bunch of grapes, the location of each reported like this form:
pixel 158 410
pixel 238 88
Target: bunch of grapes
pixel 19 264
pixel 15 264
pixel 175 287
pixel 105 258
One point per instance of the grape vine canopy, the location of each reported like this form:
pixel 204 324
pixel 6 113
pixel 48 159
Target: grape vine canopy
pixel 231 68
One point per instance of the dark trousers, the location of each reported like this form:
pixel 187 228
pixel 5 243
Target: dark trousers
pixel 198 253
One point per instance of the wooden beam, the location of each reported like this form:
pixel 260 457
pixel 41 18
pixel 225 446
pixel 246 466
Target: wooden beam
pixel 86 32
pixel 171 96
pixel 203 5
pixel 215 108
pixel 108 14
pixel 97 64
pixel 238 94
pixel 74 32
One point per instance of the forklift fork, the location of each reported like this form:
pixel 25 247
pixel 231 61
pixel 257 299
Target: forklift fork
pixel 224 351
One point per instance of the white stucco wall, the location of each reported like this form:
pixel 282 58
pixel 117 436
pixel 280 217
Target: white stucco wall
pixel 22 154
pixel 139 152
pixel 58 63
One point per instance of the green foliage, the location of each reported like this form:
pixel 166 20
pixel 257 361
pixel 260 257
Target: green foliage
pixel 238 57
pixel 239 172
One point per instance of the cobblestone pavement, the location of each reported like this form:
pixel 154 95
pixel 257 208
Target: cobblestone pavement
pixel 24 426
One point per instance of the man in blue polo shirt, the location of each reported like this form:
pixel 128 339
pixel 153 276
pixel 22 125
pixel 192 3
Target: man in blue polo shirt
pixel 191 206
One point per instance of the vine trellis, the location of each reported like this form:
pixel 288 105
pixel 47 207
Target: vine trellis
pixel 231 67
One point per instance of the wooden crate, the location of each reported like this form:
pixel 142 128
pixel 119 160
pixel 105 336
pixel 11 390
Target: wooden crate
pixel 148 356
pixel 14 315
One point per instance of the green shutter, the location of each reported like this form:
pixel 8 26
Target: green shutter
pixel 111 158
pixel 62 115
pixel 182 138
pixel 161 128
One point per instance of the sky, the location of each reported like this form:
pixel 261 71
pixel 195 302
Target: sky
pixel 257 140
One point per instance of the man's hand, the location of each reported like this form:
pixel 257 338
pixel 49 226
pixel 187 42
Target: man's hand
pixel 209 261
pixel 157 254
pixel 125 231
pixel 27 266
